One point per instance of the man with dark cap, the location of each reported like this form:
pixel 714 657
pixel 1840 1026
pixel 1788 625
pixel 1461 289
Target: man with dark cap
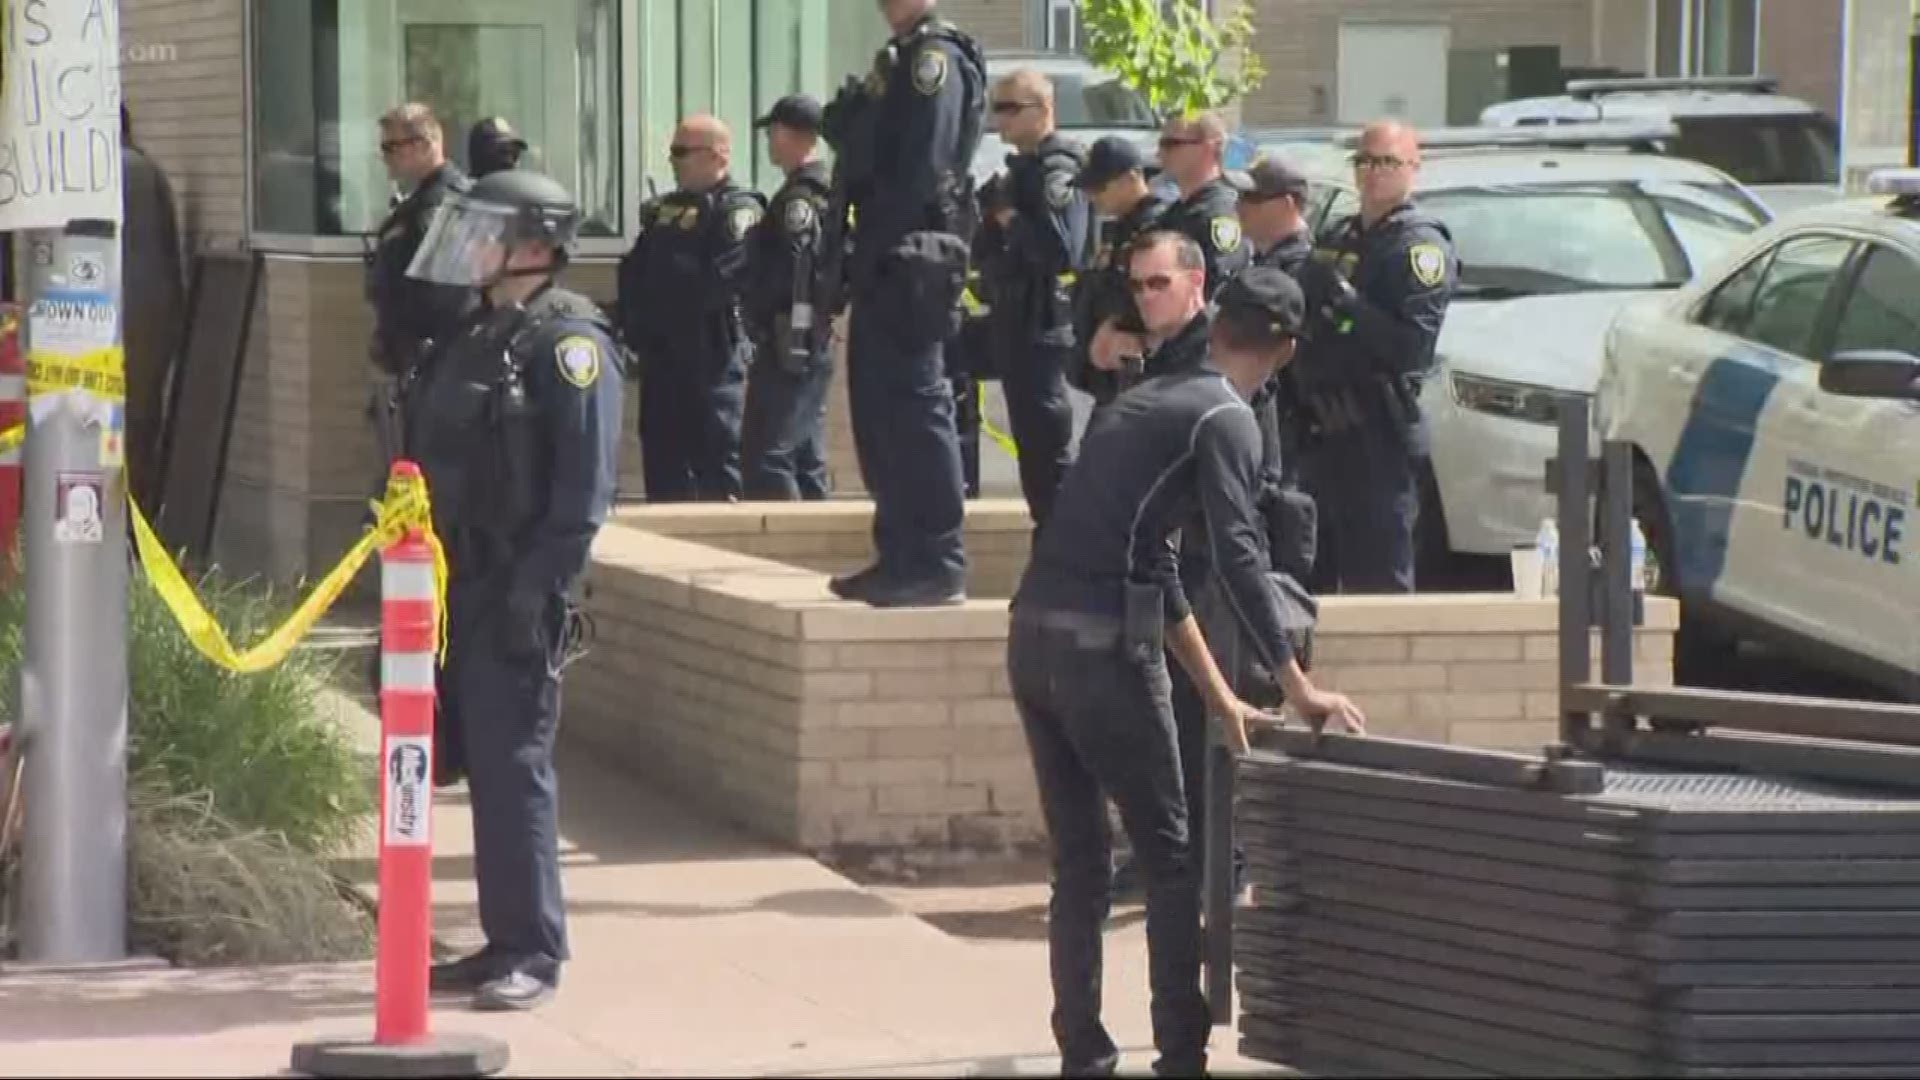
pixel 783 445
pixel 1273 201
pixel 1115 179
pixel 1095 612
pixel 492 146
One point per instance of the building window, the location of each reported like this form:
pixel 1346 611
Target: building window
pixel 1706 37
pixel 1062 21
pixel 324 70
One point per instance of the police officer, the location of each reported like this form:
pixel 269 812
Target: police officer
pixel 492 146
pixel 408 315
pixel 1096 611
pixel 1047 248
pixel 1115 179
pixel 1192 150
pixel 682 310
pixel 783 435
pixel 515 420
pixel 1378 291
pixel 1272 209
pixel 912 231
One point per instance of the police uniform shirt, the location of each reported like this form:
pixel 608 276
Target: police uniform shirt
pixel 688 269
pixel 1403 269
pixel 409 311
pixel 924 84
pixel 542 496
pixel 1288 255
pixel 1210 217
pixel 1169 448
pixel 1051 219
pixel 788 236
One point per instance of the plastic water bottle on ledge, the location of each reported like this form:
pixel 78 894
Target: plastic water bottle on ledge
pixel 1638 574
pixel 1547 540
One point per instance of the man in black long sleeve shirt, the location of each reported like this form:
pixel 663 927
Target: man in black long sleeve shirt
pixel 1099 604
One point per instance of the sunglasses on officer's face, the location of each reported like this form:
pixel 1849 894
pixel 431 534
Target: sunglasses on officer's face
pixel 1377 161
pixel 1150 283
pixel 677 151
pixel 1008 108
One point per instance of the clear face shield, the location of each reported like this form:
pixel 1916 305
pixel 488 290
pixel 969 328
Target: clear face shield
pixel 466 245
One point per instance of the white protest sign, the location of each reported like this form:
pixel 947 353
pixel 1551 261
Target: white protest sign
pixel 60 121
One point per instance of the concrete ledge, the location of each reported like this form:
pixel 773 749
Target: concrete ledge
pixel 735 677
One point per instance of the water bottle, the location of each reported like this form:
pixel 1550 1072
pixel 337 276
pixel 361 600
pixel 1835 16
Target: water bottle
pixel 1548 543
pixel 1639 564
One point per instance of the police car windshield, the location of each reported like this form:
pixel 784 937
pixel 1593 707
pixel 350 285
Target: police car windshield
pixel 1801 148
pixel 1532 239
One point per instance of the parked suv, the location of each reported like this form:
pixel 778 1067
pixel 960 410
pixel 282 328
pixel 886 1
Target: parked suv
pixel 1784 149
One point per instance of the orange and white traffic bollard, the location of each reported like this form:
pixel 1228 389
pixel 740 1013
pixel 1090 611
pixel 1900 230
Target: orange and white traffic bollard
pixel 403 1043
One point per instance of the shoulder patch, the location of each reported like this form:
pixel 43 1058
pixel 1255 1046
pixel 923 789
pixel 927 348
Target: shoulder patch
pixel 742 219
pixel 930 70
pixel 1059 189
pixel 1225 232
pixel 1429 263
pixel 578 358
pixel 799 215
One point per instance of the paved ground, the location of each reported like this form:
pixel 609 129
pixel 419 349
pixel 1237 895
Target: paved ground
pixel 698 951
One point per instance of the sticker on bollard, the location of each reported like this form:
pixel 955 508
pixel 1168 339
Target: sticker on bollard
pixel 444 1056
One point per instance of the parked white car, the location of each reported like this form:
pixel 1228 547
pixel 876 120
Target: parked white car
pixel 1555 232
pixel 1782 148
pixel 1775 507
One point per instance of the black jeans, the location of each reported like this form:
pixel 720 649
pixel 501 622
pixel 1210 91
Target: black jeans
pixel 1100 725
pixel 783 436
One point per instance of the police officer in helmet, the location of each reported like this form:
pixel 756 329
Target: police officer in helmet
pixel 515 421
pixel 913 227
pixel 1377 292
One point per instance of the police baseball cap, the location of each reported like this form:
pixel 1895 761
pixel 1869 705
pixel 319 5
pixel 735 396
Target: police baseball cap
pixel 1265 294
pixel 497 131
pixel 1109 159
pixel 795 111
pixel 1267 178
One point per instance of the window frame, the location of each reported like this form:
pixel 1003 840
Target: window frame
pixel 1856 268
pixel 1840 287
pixel 355 244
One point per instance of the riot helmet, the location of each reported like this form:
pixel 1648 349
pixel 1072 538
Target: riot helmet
pixel 473 232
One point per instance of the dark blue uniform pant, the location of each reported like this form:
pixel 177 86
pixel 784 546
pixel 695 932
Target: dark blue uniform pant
pixel 783 436
pixel 1100 725
pixel 1035 384
pixel 501 684
pixel 903 434
pixel 690 409
pixel 966 426
pixel 1366 488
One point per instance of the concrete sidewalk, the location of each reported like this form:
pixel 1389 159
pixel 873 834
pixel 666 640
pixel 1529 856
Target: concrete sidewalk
pixel 697 951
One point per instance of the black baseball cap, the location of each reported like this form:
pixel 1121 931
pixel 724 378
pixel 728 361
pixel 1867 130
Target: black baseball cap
pixel 1267 294
pixel 1109 159
pixel 795 111
pixel 1268 178
pixel 497 131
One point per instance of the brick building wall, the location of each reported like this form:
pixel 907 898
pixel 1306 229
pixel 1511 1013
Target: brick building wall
pixel 997 24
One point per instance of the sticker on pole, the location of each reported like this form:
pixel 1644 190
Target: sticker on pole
pixel 409 774
pixel 80 498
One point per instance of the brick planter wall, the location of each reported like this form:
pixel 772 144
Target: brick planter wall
pixel 741 682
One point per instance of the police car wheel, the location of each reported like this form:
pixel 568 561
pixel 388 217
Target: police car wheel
pixel 1702 654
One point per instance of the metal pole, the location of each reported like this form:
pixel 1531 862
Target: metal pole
pixel 74 684
pixel 1576 571
pixel 1616 544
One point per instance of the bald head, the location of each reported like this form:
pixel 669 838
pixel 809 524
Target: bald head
pixel 1385 165
pixel 702 152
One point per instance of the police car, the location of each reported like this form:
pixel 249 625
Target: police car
pixel 1088 104
pixel 1555 230
pixel 1777 439
pixel 1784 149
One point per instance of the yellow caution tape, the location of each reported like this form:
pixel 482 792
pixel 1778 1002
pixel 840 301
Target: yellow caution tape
pixel 11 438
pixel 102 372
pixel 404 508
pixel 1000 438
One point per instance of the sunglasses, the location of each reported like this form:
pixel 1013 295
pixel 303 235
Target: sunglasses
pixel 1010 107
pixel 1152 283
pixel 1168 142
pixel 388 146
pixel 1377 161
pixel 677 151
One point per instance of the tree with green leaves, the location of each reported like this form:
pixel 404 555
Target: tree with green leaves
pixel 1172 53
